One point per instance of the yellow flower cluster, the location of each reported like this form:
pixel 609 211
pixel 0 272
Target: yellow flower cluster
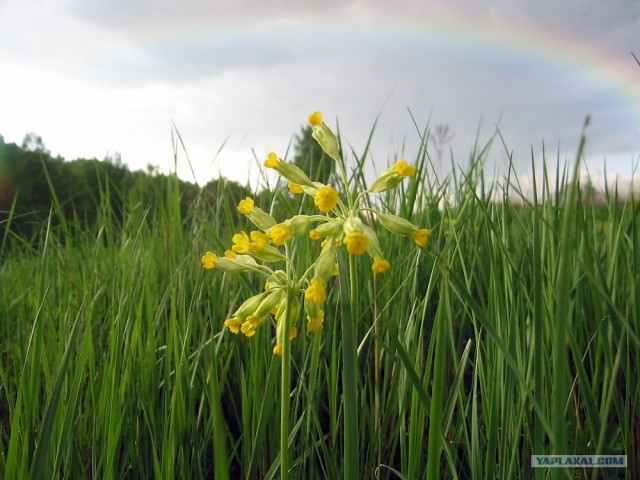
pixel 339 222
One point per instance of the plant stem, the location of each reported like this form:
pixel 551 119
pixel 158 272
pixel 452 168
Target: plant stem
pixel 285 386
pixel 349 377
pixel 434 449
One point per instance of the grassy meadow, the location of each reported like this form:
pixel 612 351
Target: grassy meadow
pixel 514 332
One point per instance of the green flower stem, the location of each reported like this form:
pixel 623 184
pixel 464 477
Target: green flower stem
pixel 285 387
pixel 350 376
pixel 434 449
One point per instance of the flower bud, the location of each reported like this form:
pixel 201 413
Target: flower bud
pixel 325 262
pixel 352 224
pixel 261 219
pixel 392 176
pixel 311 308
pixel 283 314
pixel 268 253
pixel 278 279
pixel 326 229
pixel 238 264
pixel 299 224
pixel 373 246
pixel 249 306
pixel 324 136
pixel 269 302
pixel 287 170
pixel 396 224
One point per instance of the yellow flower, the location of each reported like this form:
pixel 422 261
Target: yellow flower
pixel 294 187
pixel 230 254
pixel 315 234
pixel 316 291
pixel 233 324
pixel 380 265
pixel 315 324
pixel 315 119
pixel 249 326
pixel 293 333
pixel 209 260
pixel 326 198
pixel 240 243
pixel 245 206
pixel 356 243
pixel 280 233
pixel 272 160
pixel 258 240
pixel 403 169
pixel 247 329
pixel 421 236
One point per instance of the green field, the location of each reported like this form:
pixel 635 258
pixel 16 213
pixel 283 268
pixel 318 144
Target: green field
pixel 515 331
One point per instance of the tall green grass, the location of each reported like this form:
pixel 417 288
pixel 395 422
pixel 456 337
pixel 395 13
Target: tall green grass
pixel 515 332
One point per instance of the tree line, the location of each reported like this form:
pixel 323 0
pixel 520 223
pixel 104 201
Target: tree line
pixel 33 184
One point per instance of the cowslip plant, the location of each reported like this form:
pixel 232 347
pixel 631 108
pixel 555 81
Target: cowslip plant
pixel 343 219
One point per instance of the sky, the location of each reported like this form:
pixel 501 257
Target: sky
pixel 236 80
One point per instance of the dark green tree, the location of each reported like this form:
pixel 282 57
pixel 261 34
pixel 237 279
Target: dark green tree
pixel 34 143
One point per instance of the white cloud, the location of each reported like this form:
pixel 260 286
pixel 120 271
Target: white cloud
pixel 93 77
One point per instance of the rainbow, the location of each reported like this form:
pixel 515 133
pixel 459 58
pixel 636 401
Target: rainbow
pixel 615 71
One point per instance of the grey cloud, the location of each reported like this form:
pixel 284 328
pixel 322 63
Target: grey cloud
pixel 269 66
pixel 178 60
pixel 122 14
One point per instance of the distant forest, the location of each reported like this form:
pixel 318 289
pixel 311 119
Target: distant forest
pixel 33 184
